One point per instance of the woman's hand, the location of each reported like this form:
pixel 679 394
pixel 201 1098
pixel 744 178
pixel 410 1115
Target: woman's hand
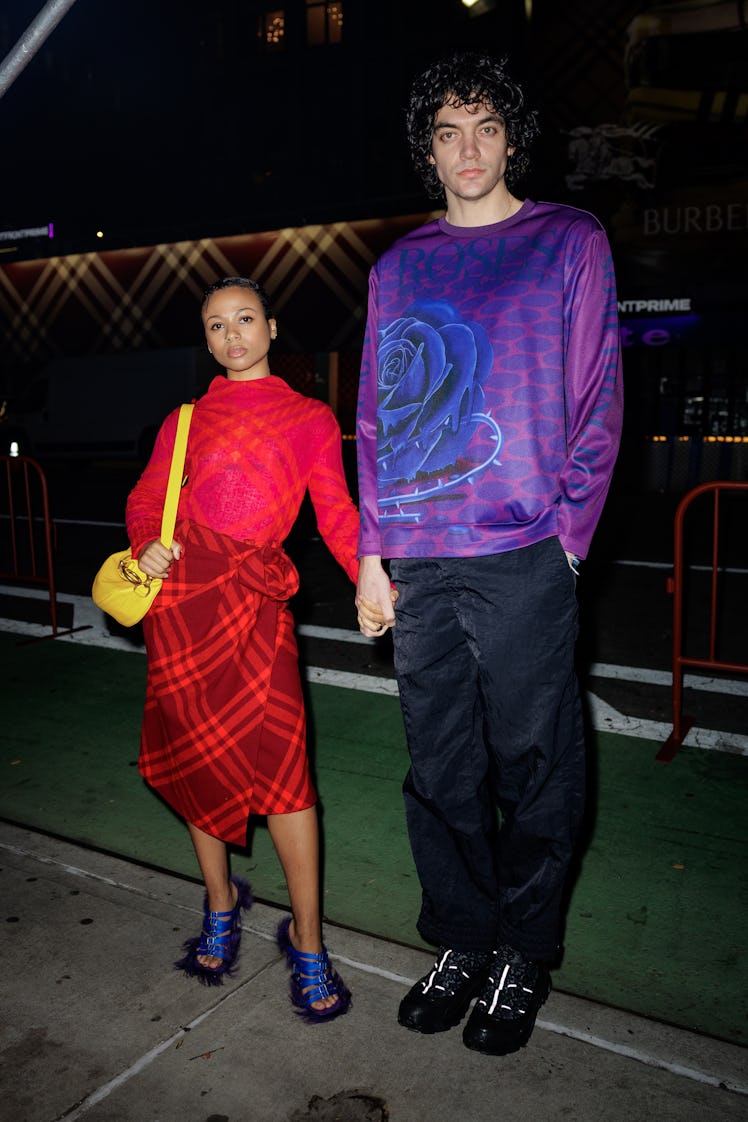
pixel 375 598
pixel 156 560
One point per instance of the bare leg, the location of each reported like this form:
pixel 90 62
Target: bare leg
pixel 296 840
pixel 214 866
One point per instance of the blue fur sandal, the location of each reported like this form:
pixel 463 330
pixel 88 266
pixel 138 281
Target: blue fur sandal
pixel 312 978
pixel 220 937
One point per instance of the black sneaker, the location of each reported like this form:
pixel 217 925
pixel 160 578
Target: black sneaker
pixel 440 999
pixel 504 1014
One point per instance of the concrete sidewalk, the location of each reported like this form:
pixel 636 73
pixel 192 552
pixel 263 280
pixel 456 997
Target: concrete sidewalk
pixel 97 1025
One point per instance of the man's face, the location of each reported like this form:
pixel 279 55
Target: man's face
pixel 469 150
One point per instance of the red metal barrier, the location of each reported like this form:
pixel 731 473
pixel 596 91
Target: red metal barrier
pixel 27 554
pixel 675 585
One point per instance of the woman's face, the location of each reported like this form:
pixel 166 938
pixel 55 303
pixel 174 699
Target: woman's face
pixel 237 333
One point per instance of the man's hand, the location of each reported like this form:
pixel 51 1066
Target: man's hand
pixel 155 559
pixel 573 562
pixel 375 598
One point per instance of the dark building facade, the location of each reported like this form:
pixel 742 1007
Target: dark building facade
pixel 175 129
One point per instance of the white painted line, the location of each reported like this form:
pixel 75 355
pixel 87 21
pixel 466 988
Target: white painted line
pixel 336 634
pixel 607 719
pixel 367 683
pixel 667 566
pixel 665 678
pixel 36 594
pixel 604 717
pixel 93 638
pixel 87 613
pixel 84 522
pixel 68 522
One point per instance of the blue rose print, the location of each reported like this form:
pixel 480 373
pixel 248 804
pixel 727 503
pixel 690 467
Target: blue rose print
pixel 431 370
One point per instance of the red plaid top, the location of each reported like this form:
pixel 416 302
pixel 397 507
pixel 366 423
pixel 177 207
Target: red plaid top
pixel 254 448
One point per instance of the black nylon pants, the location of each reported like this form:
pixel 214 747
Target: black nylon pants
pixel 484 650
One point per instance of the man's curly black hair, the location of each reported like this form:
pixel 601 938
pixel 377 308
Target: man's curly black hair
pixel 468 78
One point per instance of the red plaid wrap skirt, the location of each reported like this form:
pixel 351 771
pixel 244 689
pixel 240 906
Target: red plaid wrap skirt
pixel 224 730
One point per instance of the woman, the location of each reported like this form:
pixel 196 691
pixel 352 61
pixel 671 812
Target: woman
pixel 224 730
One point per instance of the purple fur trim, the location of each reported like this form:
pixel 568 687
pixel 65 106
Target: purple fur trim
pixel 229 940
pixel 302 979
pixel 194 969
pixel 244 899
pixel 283 939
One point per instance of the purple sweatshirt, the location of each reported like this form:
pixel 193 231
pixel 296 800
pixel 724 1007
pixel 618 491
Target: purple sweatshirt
pixel 490 399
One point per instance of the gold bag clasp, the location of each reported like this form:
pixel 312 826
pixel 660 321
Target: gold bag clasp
pixel 141 586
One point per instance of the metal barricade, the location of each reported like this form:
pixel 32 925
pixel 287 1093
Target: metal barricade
pixel 27 552
pixel 676 586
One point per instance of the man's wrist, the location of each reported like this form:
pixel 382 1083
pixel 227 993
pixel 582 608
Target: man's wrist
pixel 369 560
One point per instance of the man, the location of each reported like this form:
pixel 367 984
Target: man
pixel 488 427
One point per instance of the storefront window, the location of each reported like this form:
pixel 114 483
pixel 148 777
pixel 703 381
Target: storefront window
pixel 324 22
pixel 272 30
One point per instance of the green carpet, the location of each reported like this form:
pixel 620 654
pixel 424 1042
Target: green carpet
pixel 656 919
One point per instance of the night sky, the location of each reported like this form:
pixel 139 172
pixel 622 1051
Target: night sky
pixel 162 120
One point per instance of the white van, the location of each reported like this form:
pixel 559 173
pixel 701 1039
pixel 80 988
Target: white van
pixel 106 405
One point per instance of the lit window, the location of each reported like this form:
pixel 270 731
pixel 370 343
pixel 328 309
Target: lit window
pixel 272 30
pixel 324 22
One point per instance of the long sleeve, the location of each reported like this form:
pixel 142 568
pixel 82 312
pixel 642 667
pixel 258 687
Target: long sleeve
pixel 593 393
pixel 369 542
pixel 145 504
pixel 337 517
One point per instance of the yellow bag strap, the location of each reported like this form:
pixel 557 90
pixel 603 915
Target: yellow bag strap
pixel 176 474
